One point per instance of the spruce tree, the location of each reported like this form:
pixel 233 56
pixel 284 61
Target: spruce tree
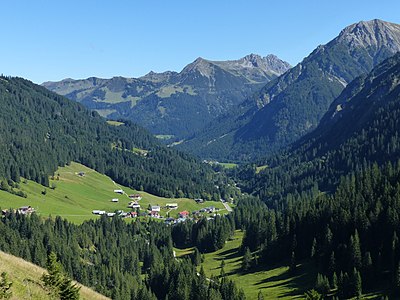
pixel 5 286
pixel 313 295
pixel 355 251
pixel 57 282
pixel 246 262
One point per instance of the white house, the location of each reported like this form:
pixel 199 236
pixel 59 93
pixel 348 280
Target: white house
pixel 114 200
pixel 133 204
pixel 119 191
pixel 172 205
pixel 155 208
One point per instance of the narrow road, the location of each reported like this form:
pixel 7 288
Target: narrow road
pixel 121 189
pixel 227 207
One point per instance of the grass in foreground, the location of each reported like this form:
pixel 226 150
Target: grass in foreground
pixel 26 278
pixel 75 197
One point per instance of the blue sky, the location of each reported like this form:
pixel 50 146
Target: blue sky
pixel 52 40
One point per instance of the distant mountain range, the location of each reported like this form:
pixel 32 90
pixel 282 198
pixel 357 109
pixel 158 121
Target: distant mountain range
pixel 175 104
pixel 290 106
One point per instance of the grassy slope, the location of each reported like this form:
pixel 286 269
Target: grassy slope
pixel 26 277
pixel 75 197
pixel 228 165
pixel 275 282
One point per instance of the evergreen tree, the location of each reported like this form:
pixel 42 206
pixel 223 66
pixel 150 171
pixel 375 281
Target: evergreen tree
pixel 356 283
pixel 260 296
pixel 355 251
pixel 334 283
pixel 5 286
pixel 322 284
pixel 196 257
pixel 222 267
pixel 313 295
pixel 57 282
pixel 246 261
pixel 313 248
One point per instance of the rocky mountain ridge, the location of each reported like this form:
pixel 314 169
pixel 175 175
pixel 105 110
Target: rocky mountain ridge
pixel 172 103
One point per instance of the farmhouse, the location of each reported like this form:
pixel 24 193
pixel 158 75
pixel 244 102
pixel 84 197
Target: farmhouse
pixel 133 204
pixel 154 214
pixel 210 209
pixel 184 214
pixel 25 210
pixel 98 212
pixel 155 208
pixel 119 191
pixel 172 205
pixel 136 197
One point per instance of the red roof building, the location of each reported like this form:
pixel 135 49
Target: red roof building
pixel 184 214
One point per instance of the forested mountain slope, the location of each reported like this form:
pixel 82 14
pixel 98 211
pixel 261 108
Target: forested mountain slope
pixel 333 198
pixel 292 105
pixel 361 128
pixel 172 103
pixel 41 130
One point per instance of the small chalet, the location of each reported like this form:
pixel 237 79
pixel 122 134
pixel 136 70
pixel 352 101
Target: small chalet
pixel 154 214
pixel 136 197
pixel 133 204
pixel 172 205
pixel 155 208
pixel 98 212
pixel 210 209
pixel 133 214
pixel 81 174
pixel 115 200
pixel 25 210
pixel 119 191
pixel 199 200
pixel 110 214
pixel 184 214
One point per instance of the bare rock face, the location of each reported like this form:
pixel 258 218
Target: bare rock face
pixel 372 35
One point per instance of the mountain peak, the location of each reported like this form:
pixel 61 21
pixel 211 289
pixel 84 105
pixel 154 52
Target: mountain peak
pixel 374 33
pixel 269 64
pixel 254 59
pixel 204 67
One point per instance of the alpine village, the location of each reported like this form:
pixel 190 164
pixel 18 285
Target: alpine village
pixel 228 180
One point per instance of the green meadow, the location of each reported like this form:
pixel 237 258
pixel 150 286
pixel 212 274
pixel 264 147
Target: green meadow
pixel 74 197
pixel 274 282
